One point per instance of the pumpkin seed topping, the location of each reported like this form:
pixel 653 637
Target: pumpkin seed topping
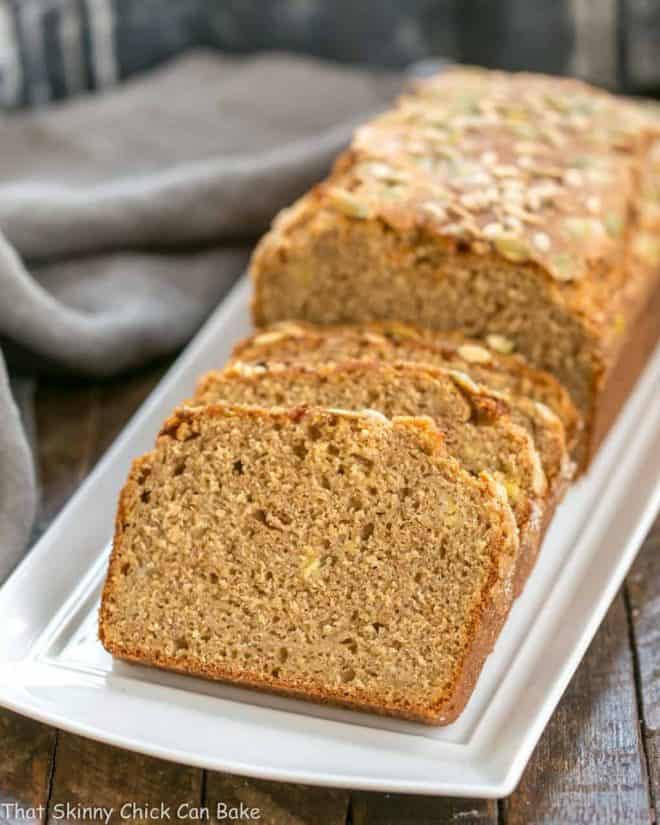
pixel 347 203
pixel 564 267
pixel 512 248
pixel 646 247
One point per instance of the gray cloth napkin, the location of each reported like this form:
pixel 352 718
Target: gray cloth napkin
pixel 125 218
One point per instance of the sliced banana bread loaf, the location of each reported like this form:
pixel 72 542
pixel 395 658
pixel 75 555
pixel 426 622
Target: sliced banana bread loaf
pixel 531 393
pixel 336 557
pixel 477 428
pixel 491 362
pixel 498 204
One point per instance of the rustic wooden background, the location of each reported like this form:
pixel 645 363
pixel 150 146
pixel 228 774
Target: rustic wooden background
pixel 598 762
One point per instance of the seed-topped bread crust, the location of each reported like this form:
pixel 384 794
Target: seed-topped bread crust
pixel 476 424
pixel 526 167
pixel 533 168
pixel 328 555
pixel 497 204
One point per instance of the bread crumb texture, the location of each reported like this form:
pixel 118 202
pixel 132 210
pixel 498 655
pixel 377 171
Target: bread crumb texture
pixel 536 400
pixel 336 556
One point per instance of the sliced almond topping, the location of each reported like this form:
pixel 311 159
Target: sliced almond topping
pixel 500 343
pixel 489 158
pixel 464 381
pixel 269 337
pixel 455 230
pixel 381 171
pixel 374 338
pixel 474 354
pixel 492 231
pixel 347 203
pixel 593 204
pixel 573 177
pixel 435 210
pixel 248 370
pixel 542 241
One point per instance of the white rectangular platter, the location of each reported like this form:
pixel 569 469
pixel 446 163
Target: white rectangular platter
pixel 52 667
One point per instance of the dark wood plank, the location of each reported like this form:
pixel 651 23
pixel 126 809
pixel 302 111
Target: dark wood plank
pixel 63 426
pixel 652 741
pixel 67 427
pixel 119 400
pixel 74 425
pixel 26 754
pixel 643 587
pixel 395 809
pixel 274 803
pixel 91 774
pixel 589 766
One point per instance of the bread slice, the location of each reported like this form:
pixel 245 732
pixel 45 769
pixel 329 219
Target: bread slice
pixel 491 362
pixel 332 556
pixel 476 425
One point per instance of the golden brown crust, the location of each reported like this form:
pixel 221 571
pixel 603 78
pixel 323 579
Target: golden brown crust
pixel 642 336
pixel 128 491
pixel 487 626
pixel 487 618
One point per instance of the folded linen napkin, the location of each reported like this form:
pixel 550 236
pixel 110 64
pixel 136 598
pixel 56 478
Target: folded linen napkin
pixel 125 218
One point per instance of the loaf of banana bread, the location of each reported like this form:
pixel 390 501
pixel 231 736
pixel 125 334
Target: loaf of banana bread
pixel 497 204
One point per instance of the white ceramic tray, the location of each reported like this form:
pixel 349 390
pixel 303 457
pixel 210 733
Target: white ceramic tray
pixel 52 667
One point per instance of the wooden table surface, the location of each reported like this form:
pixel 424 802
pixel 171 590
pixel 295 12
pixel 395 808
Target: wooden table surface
pixel 597 762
